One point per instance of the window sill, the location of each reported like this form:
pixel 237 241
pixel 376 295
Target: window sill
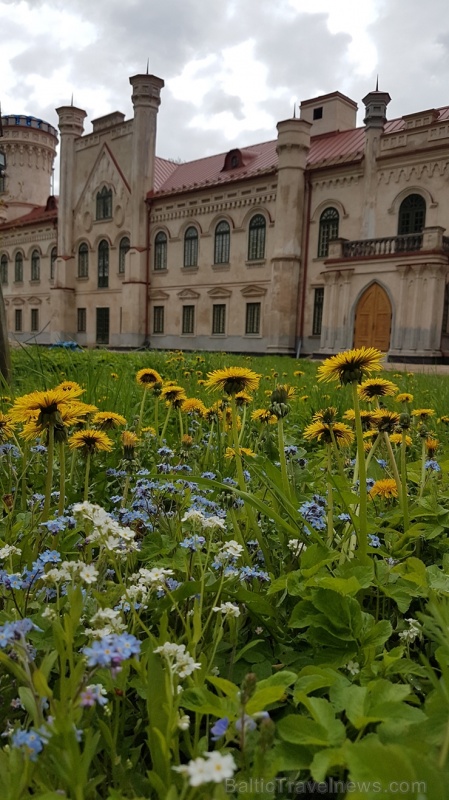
pixel 35 283
pixel 159 333
pixel 253 335
pixel 103 219
pixel 82 277
pixel 18 283
pixel 192 335
pixel 190 269
pixel 218 336
pixel 257 262
pixel 160 271
pixel 221 267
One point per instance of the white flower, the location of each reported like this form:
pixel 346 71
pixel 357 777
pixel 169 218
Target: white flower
pixel 88 573
pixel 9 550
pixel 228 609
pixel 213 522
pixel 193 515
pixel 220 767
pixel 296 547
pixel 183 722
pixel 179 661
pixel 258 630
pixel 353 667
pixel 231 549
pixel 198 772
pixel 49 613
pixel 414 631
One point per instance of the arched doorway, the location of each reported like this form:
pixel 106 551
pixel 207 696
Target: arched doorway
pixel 373 319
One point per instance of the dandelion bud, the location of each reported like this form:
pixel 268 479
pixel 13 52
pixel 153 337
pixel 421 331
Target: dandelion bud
pixel 248 687
pixel 267 731
pixel 404 421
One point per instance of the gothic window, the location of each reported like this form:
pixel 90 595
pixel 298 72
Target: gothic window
pixel 412 215
pixel 160 251
pixel 256 238
pixel 4 269
pixel 35 266
pixel 83 261
pixel 123 249
pixel 328 230
pixel 104 203
pixel 18 268
pixel 53 257
pixel 103 264
pixel 191 247
pixel 222 243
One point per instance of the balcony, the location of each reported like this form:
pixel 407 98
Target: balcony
pixel 431 239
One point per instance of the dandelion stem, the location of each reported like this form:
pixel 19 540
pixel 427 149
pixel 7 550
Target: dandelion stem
pixel 164 427
pixel 86 477
pixel 423 467
pixel 282 458
pixel 49 478
pixel 394 468
pixel 330 497
pixel 404 480
pixel 362 511
pixel 142 406
pixel 61 503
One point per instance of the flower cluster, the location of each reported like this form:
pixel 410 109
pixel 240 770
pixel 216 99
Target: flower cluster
pixel 180 662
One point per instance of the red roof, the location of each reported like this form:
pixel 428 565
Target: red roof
pixel 37 215
pixel 328 149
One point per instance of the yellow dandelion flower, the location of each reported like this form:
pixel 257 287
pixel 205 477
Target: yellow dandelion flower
pixel 324 432
pixel 186 440
pixel 105 420
pixel 298 373
pixel 201 382
pixel 385 420
pixel 351 365
pixel 6 427
pixel 327 415
pixel 90 441
pixel 365 416
pixel 376 387
pixel 150 430
pixel 233 380
pixel 148 378
pixel 386 488
pixel 114 376
pixel 70 386
pixel 244 451
pixel 191 405
pixel 129 439
pixel 445 420
pixel 212 414
pixel 264 416
pixel 396 438
pixel 243 399
pixel 404 397
pixel 423 413
pixel 46 406
pixel 172 393
pixel 74 412
pixel 304 397
pixel 432 446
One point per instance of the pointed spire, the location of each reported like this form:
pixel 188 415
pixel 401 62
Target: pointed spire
pixel 148 66
pixel 377 83
pixel 71 102
pixel 294 110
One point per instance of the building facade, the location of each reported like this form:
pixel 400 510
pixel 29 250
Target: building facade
pixel 328 237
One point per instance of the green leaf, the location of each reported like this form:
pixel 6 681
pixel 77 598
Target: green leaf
pixel 227 687
pixel 41 685
pixel 302 730
pixel 264 697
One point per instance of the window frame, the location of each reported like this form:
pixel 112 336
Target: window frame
pixel 53 257
pixel 18 320
pixel 188 320
pixel 160 251
pixel 18 268
pixel 81 320
pixel 158 320
pixel 328 230
pixel 34 320
pixel 4 264
pixel 222 242
pixel 219 319
pixel 99 339
pixel 35 266
pixel 104 204
pixel 253 318
pixel 83 260
pixel 123 249
pixel 409 218
pixel 103 264
pixel 318 305
pixel 191 247
pixel 257 230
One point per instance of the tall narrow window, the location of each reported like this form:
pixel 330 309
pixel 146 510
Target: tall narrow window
pixel 18 320
pixel 218 318
pixel 123 249
pixel 34 320
pixel 4 269
pixel 222 243
pixel 18 268
pixel 35 266
pixel 318 301
pixel 103 264
pixel 160 251
pixel 328 230
pixel 104 203
pixel 188 319
pixel 256 238
pixel 191 247
pixel 102 332
pixel 158 319
pixel 53 257
pixel 82 320
pixel 252 324
pixel 83 261
pixel 412 215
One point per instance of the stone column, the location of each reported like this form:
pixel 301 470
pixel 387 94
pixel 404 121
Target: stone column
pixel 327 343
pixel 401 313
pixel 293 146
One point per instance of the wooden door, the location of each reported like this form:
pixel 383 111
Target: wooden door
pixel 373 319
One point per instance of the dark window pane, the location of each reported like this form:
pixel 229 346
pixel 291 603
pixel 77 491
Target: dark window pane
pixel 103 264
pixel 412 215
pixel 191 247
pixel 219 318
pixel 188 319
pixel 252 318
pixel 104 203
pixel 34 320
pixel 18 268
pixel 160 251
pixel 53 257
pixel 158 319
pixel 222 243
pixel 328 230
pixel 256 238
pixel 18 320
pixel 102 325
pixel 81 314
pixel 123 249
pixel 318 311
pixel 83 261
pixel 4 269
pixel 35 266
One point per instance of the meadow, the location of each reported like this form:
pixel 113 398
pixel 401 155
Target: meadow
pixel 223 577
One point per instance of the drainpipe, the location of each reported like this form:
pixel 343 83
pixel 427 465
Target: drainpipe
pixel 146 342
pixel 305 250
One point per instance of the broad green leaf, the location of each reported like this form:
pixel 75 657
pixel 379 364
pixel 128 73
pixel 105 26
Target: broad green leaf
pixel 297 729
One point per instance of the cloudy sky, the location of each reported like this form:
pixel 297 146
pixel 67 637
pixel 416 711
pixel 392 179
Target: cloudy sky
pixel 232 68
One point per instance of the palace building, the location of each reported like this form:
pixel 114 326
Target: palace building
pixel 328 237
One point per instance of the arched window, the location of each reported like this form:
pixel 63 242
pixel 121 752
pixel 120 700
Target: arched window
pixel 222 243
pixel 35 266
pixel 160 251
pixel 412 215
pixel 53 257
pixel 191 247
pixel 4 269
pixel 104 203
pixel 328 230
pixel 122 251
pixel 83 261
pixel 103 264
pixel 256 238
pixel 18 268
